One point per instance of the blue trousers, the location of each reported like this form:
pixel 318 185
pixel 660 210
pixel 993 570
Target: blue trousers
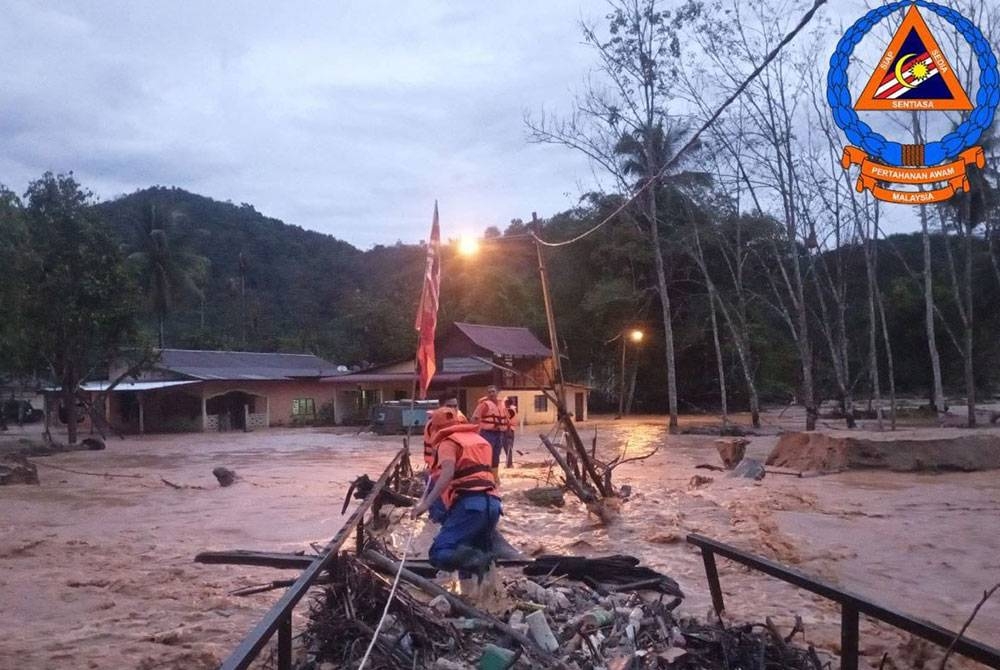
pixel 496 440
pixel 467 531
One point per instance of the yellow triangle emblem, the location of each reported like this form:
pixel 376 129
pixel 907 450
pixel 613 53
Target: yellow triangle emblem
pixel 913 74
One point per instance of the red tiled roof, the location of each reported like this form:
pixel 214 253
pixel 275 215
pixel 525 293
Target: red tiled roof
pixel 505 340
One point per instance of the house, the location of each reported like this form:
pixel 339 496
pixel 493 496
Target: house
pixel 470 357
pixel 191 390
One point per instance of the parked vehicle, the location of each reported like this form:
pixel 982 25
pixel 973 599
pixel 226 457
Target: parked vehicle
pixel 28 414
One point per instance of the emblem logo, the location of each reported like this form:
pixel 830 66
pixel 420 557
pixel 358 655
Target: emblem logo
pixel 913 75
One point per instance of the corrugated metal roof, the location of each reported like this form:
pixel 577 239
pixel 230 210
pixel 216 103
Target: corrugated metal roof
pixel 465 364
pixel 389 377
pixel 123 387
pixel 244 365
pixel 505 340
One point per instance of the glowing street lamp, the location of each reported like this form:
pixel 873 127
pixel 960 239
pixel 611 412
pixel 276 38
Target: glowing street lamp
pixel 468 246
pixel 636 336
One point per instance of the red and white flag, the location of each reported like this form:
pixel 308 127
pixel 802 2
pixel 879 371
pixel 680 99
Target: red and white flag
pixel 426 323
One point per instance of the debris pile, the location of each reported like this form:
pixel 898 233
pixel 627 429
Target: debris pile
pixel 609 621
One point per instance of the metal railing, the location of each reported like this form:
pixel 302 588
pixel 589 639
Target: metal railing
pixel 851 605
pixel 279 617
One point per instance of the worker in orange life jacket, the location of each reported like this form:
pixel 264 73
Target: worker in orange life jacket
pixel 465 482
pixel 491 417
pixel 437 511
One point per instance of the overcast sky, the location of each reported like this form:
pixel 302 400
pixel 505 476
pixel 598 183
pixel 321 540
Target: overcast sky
pixel 345 117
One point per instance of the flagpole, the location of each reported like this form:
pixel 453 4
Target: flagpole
pixel 426 321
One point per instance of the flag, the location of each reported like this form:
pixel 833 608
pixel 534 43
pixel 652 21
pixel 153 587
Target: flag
pixel 426 323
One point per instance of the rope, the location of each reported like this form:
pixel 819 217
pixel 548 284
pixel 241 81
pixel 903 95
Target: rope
pixel 694 138
pixel 392 594
pixel 948 147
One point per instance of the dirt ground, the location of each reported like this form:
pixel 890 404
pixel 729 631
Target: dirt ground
pixel 97 571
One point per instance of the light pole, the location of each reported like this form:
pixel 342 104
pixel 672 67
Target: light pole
pixel 636 336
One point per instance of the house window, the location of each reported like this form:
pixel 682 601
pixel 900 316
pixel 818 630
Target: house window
pixel 541 403
pixel 303 407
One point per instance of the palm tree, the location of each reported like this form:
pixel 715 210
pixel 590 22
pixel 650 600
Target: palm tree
pixel 643 154
pixel 167 269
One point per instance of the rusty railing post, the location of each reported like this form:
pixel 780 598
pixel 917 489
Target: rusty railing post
pixel 848 637
pixel 712 574
pixel 285 643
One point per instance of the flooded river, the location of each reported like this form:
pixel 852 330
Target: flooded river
pixel 97 572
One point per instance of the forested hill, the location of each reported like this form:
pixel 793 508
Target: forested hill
pixel 298 290
pixel 290 282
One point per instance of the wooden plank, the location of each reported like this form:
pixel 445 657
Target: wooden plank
pixel 266 559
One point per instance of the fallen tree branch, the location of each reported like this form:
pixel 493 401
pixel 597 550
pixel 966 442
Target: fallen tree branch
pixel 92 474
pixel 975 611
pixel 179 486
pixel 584 493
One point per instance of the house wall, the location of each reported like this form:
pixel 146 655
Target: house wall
pixel 527 413
pixel 279 395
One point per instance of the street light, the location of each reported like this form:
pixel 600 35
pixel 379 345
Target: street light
pixel 468 246
pixel 636 336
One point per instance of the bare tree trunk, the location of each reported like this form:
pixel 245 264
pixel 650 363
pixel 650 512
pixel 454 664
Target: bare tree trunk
pixel 872 340
pixel 739 336
pixel 720 361
pixel 159 319
pixel 968 322
pixel 938 389
pixel 661 283
pixel 69 383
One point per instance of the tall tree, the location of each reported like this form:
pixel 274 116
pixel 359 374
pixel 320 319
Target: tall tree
pixel 628 114
pixel 167 269
pixel 77 298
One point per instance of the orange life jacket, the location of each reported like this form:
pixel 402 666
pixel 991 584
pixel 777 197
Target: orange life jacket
pixel 473 463
pixel 511 411
pixel 491 415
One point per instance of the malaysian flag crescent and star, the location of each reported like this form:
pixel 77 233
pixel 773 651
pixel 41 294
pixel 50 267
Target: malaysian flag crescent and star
pixel 913 73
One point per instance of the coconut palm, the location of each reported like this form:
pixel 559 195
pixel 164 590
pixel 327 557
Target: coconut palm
pixel 168 270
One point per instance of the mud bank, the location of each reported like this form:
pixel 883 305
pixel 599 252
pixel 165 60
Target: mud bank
pixel 902 451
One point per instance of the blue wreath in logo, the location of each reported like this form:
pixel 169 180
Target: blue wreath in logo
pixel 949 146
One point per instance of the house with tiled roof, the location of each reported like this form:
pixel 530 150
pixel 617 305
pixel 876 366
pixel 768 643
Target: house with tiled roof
pixel 470 357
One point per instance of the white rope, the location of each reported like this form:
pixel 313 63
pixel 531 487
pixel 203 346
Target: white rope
pixel 392 594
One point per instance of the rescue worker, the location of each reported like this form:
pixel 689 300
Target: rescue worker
pixel 510 406
pixel 465 482
pixel 437 511
pixel 491 417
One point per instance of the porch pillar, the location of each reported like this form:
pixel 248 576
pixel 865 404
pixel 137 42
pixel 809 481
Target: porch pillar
pixel 267 411
pixel 204 412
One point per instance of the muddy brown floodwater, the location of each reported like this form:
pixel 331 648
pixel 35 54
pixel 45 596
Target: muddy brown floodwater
pixel 97 572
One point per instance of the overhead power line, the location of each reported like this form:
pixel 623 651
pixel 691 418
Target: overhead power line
pixel 694 138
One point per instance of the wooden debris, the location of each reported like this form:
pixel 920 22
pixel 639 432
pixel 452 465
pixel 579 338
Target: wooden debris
pixel 546 496
pixel 732 450
pixel 16 469
pixel 261 558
